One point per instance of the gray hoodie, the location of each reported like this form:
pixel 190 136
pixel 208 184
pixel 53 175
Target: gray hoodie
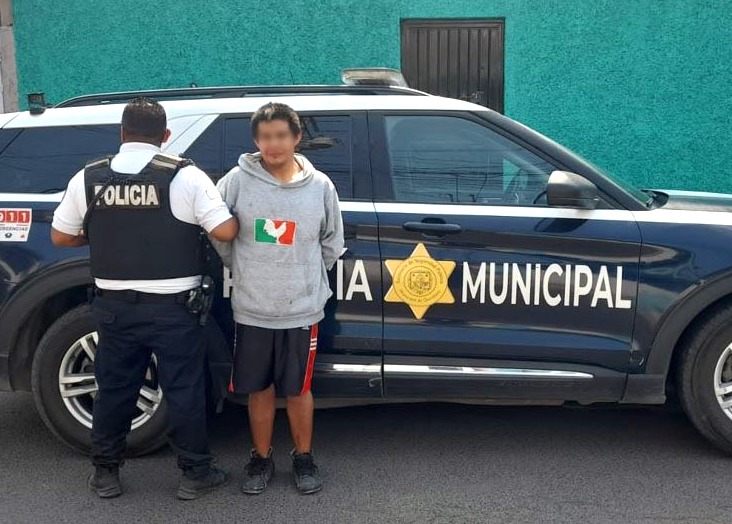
pixel 289 236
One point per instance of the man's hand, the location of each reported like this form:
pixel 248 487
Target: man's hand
pixel 226 231
pixel 65 240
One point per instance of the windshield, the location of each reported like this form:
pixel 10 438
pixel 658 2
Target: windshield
pixel 618 181
pixel 623 185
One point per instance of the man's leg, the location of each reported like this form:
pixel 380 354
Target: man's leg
pixel 119 368
pixel 296 355
pixel 179 344
pixel 253 364
pixel 261 419
pixel 295 362
pixel 260 468
pixel 300 410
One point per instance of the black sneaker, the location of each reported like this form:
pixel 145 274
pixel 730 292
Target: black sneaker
pixel 258 472
pixel 192 487
pixel 105 482
pixel 305 472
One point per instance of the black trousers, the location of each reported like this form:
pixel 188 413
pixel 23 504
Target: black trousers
pixel 128 335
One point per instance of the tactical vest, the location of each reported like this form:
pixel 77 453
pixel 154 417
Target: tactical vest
pixel 132 232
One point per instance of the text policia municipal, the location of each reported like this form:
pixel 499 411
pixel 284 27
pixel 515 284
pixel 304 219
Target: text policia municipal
pixel 555 285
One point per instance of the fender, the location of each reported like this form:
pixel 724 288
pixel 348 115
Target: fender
pixel 16 354
pixel 650 387
pixel 43 285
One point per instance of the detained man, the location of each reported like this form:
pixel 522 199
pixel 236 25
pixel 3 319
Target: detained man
pixel 291 235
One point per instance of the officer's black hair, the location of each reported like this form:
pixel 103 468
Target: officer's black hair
pixel 275 111
pixel 144 118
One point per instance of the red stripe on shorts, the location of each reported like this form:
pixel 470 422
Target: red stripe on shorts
pixel 311 359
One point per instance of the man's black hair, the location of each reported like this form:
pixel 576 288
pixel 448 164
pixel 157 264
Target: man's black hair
pixel 144 118
pixel 274 111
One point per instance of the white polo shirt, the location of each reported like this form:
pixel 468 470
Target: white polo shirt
pixel 193 199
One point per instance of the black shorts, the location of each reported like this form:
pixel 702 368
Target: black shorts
pixel 283 357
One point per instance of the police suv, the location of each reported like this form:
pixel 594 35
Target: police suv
pixel 484 261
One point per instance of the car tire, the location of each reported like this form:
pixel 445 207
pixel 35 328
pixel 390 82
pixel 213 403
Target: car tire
pixel 704 373
pixel 61 362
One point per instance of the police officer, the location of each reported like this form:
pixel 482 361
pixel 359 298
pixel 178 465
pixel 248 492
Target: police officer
pixel 142 214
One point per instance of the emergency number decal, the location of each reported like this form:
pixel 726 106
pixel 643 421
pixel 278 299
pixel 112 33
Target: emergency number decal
pixel 15 225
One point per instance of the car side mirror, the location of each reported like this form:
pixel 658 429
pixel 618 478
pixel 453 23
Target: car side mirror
pixel 566 189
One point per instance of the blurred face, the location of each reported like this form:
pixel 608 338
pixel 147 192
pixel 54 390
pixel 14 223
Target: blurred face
pixel 276 142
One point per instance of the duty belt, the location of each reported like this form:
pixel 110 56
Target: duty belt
pixel 138 297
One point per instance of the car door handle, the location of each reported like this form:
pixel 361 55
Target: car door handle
pixel 439 228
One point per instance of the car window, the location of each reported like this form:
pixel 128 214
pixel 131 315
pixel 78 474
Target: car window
pixel 43 159
pixel 327 142
pixel 7 136
pixel 238 141
pixel 207 150
pixel 446 159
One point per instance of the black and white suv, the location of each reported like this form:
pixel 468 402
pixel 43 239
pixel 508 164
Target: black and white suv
pixel 484 260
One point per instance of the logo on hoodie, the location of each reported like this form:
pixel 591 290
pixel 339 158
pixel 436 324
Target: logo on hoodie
pixel 269 231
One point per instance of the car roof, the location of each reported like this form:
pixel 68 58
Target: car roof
pixel 112 113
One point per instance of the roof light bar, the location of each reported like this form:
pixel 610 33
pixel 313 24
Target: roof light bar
pixel 373 76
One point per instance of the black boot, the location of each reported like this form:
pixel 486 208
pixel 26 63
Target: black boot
pixel 105 481
pixel 258 472
pixel 194 484
pixel 305 472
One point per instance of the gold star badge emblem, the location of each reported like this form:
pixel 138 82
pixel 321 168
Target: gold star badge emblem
pixel 420 281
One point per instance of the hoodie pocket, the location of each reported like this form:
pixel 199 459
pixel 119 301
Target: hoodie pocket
pixel 269 289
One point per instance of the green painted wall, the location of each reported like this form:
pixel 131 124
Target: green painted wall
pixel 641 87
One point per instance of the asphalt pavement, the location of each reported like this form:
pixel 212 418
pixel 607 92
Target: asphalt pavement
pixel 424 463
